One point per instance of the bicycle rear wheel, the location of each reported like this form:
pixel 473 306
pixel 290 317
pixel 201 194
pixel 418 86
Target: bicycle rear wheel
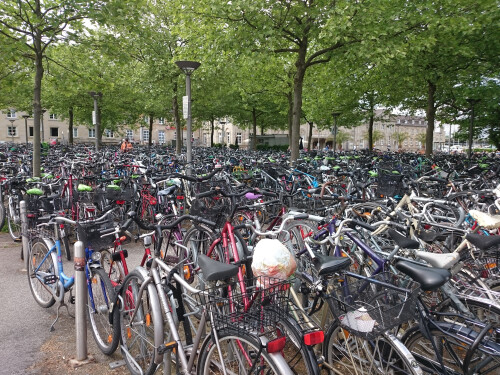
pixel 14 219
pixel 349 354
pixel 141 334
pixel 241 353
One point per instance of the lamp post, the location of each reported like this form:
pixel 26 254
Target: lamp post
pixel 12 129
pixel 96 119
pixel 472 103
pixel 188 67
pixel 26 127
pixel 335 116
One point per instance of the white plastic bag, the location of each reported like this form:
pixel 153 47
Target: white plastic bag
pixel 272 259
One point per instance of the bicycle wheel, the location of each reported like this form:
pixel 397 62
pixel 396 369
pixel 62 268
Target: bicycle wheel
pixel 40 267
pixel 425 351
pixel 2 213
pixel 114 269
pixel 241 352
pixel 104 319
pixel 444 214
pixel 14 219
pixel 349 354
pixel 141 335
pixel 300 357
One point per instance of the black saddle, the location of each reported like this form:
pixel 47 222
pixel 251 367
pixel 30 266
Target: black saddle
pixel 325 264
pixel 402 241
pixel 483 242
pixel 214 270
pixel 428 278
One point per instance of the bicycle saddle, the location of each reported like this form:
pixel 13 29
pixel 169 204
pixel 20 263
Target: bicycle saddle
pixel 428 278
pixel 325 264
pixel 402 241
pixel 214 270
pixel 483 242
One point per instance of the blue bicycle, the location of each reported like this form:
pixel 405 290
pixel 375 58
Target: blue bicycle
pixel 49 283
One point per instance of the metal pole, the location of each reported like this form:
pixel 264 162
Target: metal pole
pixel 97 121
pixel 24 229
pixel 26 127
pixel 80 302
pixel 41 123
pixel 471 127
pixel 449 142
pixel 188 136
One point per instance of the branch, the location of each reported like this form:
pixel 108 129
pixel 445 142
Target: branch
pixel 70 70
pixel 13 28
pixel 281 50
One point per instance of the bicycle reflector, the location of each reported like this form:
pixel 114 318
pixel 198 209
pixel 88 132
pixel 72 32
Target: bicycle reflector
pixel 276 345
pixel 313 338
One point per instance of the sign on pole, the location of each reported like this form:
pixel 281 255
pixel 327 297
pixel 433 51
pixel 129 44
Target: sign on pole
pixel 185 106
pixel 94 118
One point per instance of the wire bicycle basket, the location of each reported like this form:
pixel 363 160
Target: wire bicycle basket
pixel 370 306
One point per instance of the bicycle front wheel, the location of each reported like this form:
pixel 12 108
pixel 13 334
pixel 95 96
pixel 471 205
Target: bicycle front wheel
pixel 349 354
pixel 142 333
pixel 41 267
pixel 241 353
pixel 104 319
pixel 14 219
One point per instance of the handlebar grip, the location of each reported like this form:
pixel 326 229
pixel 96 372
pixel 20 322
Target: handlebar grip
pixel 204 221
pixel 107 231
pixel 300 216
pixel 362 224
pixel 206 194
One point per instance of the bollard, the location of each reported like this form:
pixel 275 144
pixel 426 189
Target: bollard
pixel 24 229
pixel 80 302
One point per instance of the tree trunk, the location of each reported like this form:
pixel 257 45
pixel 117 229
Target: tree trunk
pixel 431 114
pixel 212 131
pixel 37 101
pixel 254 129
pixel 310 136
pixel 290 116
pixel 70 126
pixel 262 130
pixel 298 83
pixel 150 138
pixel 370 132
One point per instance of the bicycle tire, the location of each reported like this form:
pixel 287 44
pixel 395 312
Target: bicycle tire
pixel 66 245
pixel 114 269
pixel 104 318
pixel 2 213
pixel 140 337
pixel 14 227
pixel 453 351
pixel 483 311
pixel 350 354
pixel 235 344
pixel 40 291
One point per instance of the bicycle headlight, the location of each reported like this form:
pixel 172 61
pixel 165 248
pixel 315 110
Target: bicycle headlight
pixel 96 256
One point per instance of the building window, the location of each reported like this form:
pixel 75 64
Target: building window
pixel 220 137
pixel 238 138
pixel 31 131
pixel 161 121
pixel 145 135
pixel 161 137
pixel 92 133
pixel 130 134
pixel 109 133
pixel 52 116
pixel 75 132
pixel 12 131
pixel 205 137
pixel 146 119
pixel 228 138
pixel 11 113
pixel 175 134
pixel 54 132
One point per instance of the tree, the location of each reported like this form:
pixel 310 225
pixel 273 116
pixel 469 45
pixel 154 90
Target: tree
pixel 342 136
pixel 421 138
pixel 400 137
pixel 34 25
pixel 377 135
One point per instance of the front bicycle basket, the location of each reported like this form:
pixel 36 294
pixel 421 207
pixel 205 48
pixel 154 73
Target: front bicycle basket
pixel 90 235
pixel 216 210
pixel 389 184
pixel 370 306
pixel 266 300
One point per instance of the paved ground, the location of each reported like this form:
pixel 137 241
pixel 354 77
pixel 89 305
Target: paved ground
pixel 26 345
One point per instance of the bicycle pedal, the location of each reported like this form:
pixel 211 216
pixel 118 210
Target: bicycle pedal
pixel 167 346
pixel 72 300
pixel 50 279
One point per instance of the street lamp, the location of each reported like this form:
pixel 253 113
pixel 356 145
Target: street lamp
pixel 188 67
pixel 96 119
pixel 26 127
pixel 335 116
pixel 12 129
pixel 472 103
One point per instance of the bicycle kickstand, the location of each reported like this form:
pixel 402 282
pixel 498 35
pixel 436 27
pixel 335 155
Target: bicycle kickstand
pixel 61 304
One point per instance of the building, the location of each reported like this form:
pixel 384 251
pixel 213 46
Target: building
pixel 15 125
